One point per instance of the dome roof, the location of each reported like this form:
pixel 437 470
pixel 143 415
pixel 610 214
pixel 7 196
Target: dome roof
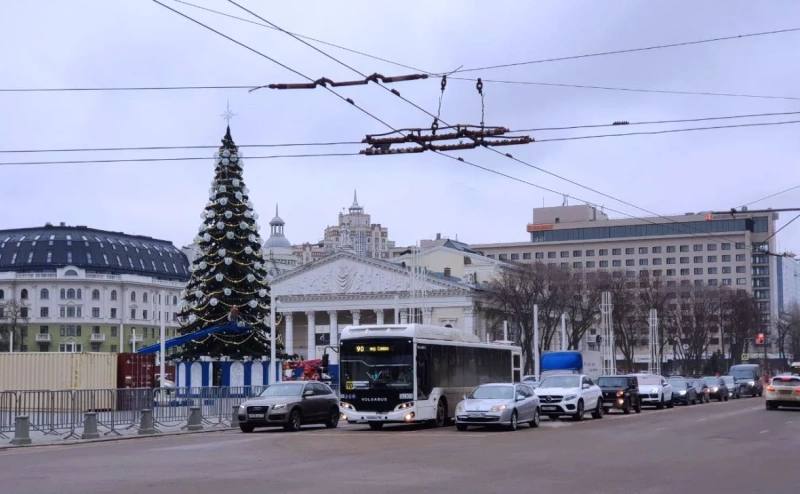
pixel 276 242
pixel 50 247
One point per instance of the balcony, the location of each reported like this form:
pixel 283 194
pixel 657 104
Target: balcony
pixel 43 338
pixel 97 337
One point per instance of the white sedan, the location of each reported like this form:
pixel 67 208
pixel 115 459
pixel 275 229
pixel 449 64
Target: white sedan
pixel 783 391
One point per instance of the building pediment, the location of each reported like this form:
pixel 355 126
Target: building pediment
pixel 346 273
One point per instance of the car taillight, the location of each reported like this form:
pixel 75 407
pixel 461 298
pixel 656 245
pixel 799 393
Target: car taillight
pixel 771 388
pixel 797 390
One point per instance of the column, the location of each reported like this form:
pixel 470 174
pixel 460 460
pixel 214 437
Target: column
pixel 403 316
pixel 312 336
pixel 334 336
pixel 379 316
pixel 356 317
pixel 469 319
pixel 427 315
pixel 288 339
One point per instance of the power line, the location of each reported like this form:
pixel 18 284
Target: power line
pixel 164 148
pixel 770 196
pixel 180 158
pixel 653 122
pixel 631 50
pixel 668 131
pixel 781 228
pixel 124 88
pixel 633 90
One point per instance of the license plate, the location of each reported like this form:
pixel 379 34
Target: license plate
pixel 549 408
pixel 256 415
pixel 475 415
pixel 785 391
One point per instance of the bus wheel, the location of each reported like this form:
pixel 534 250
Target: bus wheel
pixel 441 413
pixel 376 426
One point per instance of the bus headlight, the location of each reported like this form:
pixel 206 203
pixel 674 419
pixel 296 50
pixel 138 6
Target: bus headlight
pixel 346 406
pixel 403 406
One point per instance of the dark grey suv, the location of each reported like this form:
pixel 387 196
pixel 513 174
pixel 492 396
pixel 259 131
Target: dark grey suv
pixel 291 405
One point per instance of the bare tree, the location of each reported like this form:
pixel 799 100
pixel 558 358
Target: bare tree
pixel 13 314
pixel 789 332
pixel 740 320
pixel 582 304
pixel 626 316
pixel 696 320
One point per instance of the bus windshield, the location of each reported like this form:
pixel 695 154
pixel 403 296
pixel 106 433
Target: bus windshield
pixel 385 363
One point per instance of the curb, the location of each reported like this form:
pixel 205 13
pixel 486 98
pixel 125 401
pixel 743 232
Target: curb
pixel 111 439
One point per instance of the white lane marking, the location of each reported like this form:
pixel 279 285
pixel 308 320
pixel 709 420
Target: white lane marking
pixel 764 431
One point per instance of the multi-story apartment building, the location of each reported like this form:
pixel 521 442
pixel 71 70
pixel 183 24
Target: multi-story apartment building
pixel 73 289
pixel 700 249
pixel 356 233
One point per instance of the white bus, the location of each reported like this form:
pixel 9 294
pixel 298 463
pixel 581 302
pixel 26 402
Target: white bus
pixel 415 373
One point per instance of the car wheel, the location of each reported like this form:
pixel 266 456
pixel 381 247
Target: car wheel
pixel 246 427
pixel 441 414
pixel 670 403
pixel 626 407
pixel 660 405
pixel 598 411
pixel 579 412
pixel 513 425
pixel 376 426
pixel 638 408
pixel 333 419
pixel 295 421
pixel 536 418
pixel 461 427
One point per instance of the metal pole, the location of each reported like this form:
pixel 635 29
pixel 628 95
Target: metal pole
pixel 536 370
pixel 11 340
pixel 162 351
pixel 505 330
pixel 272 349
pixel 563 331
pixel 133 339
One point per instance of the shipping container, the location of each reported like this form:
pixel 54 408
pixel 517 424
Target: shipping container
pixel 136 370
pixel 57 371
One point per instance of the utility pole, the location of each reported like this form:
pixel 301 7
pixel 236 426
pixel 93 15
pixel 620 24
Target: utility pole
pixel 655 361
pixel 536 370
pixel 272 340
pixel 563 331
pixel 162 340
pixel 607 331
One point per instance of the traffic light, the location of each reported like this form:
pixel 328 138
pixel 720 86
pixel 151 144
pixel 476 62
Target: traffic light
pixel 760 338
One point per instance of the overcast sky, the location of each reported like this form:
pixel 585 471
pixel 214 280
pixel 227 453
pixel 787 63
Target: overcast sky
pixel 86 43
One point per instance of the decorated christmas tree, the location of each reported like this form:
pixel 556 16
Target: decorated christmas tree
pixel 229 277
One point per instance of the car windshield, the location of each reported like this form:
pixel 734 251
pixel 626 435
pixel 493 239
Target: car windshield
pixel 742 372
pixel 679 383
pixel 289 389
pixel 728 380
pixel 493 393
pixel 612 382
pixel 786 381
pixel 649 380
pixel 561 382
pixel 711 381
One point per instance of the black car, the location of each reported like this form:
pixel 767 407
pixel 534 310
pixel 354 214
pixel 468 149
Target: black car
pixel 620 392
pixel 716 388
pixel 290 405
pixel 748 379
pixel 733 388
pixel 683 392
pixel 701 388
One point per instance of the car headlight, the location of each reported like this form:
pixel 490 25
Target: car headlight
pixel 714 390
pixel 346 406
pixel 682 392
pixel 460 406
pixel 242 407
pixel 570 397
pixel 278 406
pixel 498 408
pixel 620 393
pixel 403 406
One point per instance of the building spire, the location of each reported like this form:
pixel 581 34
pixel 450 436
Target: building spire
pixel 355 198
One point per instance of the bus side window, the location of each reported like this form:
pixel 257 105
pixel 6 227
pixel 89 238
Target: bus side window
pixel 423 372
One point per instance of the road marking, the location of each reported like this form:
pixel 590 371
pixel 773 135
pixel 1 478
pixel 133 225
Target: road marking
pixel 764 431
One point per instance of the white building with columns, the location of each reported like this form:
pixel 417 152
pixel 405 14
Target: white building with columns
pixel 315 301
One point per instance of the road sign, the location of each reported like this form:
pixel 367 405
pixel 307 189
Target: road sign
pixel 745 356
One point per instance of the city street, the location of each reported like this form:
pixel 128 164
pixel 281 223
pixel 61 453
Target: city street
pixel 733 447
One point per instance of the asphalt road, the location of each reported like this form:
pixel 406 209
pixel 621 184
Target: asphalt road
pixel 733 447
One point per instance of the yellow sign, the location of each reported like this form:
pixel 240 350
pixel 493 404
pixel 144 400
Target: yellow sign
pixel 348 385
pixel 745 356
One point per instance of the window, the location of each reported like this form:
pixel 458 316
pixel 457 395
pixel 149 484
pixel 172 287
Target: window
pixel 514 257
pixel 113 295
pixel 670 249
pixel 44 294
pixel 23 294
pixel 133 313
pixel 739 245
pixel 642 262
pixel 741 281
pixel 657 261
pixel 616 252
pixel 698 271
pixel 576 264
pixel 113 348
pixel 564 253
pixel 629 262
pixel 670 260
pixel 726 258
pixel 656 250
pixel 726 281
pixel 174 300
pixel 551 255
pixel 589 264
pixel 670 272
pixel 71 311
pixel 70 294
pixel 616 263
pixel 564 265
pixel 144 296
pixel 590 253
pixel 684 248
pixel 629 250
pixel 95 294
pixel 603 264
pixel 526 255
pixel 603 252
pixel 576 253
pixel 711 247
pixel 44 330
pixel 44 312
pixel 133 296
pixel 698 282
pixel 686 283
pixel 502 257
pixel 685 271
pixel 725 246
pixel 726 270
pixel 740 258
pixel 684 260
pixel 113 331
pixel 741 269
pixel 62 311
pixel 539 255
pixel 70 330
pixel 656 272
pixel 113 313
pixel 96 312
pixel 642 250
pixel 79 293
pixel 697 259
pixel 697 247
pixel 711 259
pixel 70 347
pixel 144 314
pixel 23 312
pixel 711 270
